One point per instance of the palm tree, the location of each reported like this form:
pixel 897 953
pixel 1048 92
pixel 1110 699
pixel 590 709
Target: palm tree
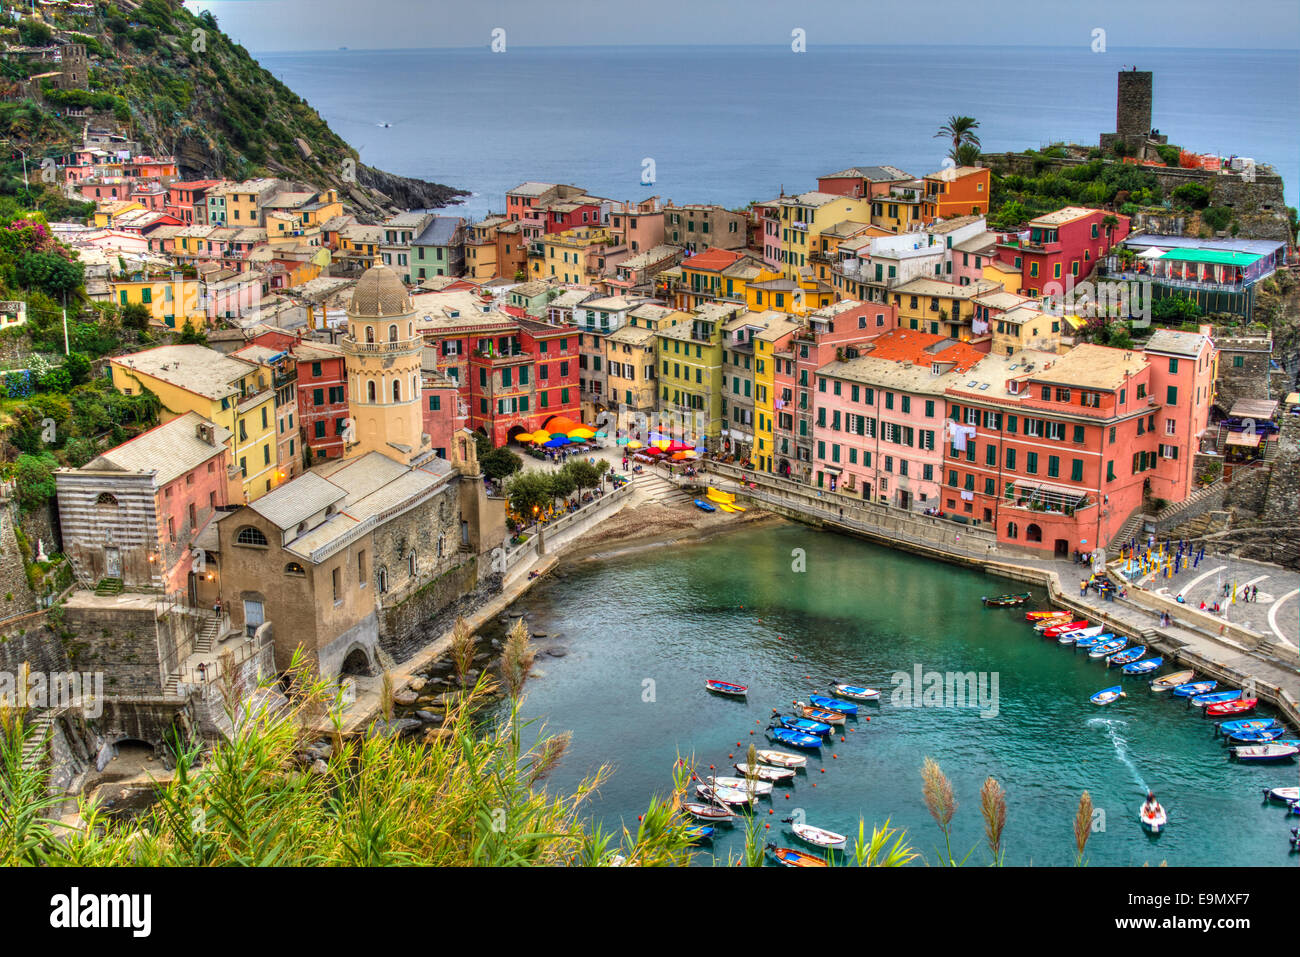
pixel 961 130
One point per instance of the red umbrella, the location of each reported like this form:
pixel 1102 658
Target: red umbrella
pixel 653 450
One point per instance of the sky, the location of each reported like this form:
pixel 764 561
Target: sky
pixel 285 25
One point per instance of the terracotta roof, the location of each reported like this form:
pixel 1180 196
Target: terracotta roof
pixel 712 259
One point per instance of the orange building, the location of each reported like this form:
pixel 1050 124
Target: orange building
pixel 956 191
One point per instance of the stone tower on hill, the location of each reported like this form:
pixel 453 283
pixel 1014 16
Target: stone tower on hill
pixel 1133 103
pixel 382 350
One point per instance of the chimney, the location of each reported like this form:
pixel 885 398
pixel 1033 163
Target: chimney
pixel 206 433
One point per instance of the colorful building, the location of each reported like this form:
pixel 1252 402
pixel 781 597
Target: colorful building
pixel 1062 248
pixel 956 191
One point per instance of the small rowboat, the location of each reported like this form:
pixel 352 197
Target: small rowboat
pixel 746 784
pixel 765 773
pixel 1040 615
pixel 833 704
pixel 855 692
pixel 1069 636
pixel 1283 795
pixel 707 812
pixel 1265 753
pixel 1153 821
pixel 704 506
pixel 1127 656
pixel 816 836
pixel 1093 641
pixel 1107 648
pixel 1051 631
pixel 1218 697
pixel 1171 681
pixel 726 687
pixel 1256 737
pixel 795 739
pixel 1005 601
pixel 806 725
pixel 1248 724
pixel 781 759
pixel 1193 688
pixel 1143 667
pixel 1240 706
pixel 725 795
pixel 1108 695
pixel 700 832
pixel 792 858
pixel 824 715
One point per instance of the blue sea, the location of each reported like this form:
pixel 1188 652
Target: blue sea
pixel 731 124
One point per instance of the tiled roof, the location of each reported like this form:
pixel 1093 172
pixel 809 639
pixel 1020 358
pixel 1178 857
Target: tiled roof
pixel 168 450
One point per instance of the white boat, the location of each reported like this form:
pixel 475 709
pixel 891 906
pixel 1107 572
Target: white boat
pixel 819 837
pixel 725 795
pixel 1072 636
pixel 855 692
pixel 1154 822
pixel 741 784
pixel 1266 752
pixel 782 759
pixel 1282 795
pixel 764 773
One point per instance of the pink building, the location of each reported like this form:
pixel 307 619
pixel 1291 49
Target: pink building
pixel 879 425
pixel 1184 366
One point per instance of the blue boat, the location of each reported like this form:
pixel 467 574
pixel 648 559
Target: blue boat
pixel 1107 695
pixel 1192 689
pixel 1257 737
pixel 795 739
pixel 1248 724
pixel 1093 640
pixel 806 725
pixel 1127 656
pixel 700 832
pixel 704 506
pixel 1218 697
pixel 1107 648
pixel 1143 667
pixel 834 704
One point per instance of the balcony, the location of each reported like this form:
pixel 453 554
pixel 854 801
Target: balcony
pixel 380 348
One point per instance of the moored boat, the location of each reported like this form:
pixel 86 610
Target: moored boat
pixel 1248 724
pixel 1040 615
pixel 1051 631
pixel 825 715
pixel 1092 632
pixel 1256 737
pixel 1143 667
pixel 795 739
pixel 816 836
pixel 1167 682
pixel 1093 641
pixel 1217 697
pixel 781 759
pixel 1283 795
pixel 726 687
pixel 1127 656
pixel 1239 706
pixel 1108 695
pixel 1107 648
pixel 1265 753
pixel 745 784
pixel 700 832
pixel 765 772
pixel 855 692
pixel 707 812
pixel 729 796
pixel 833 704
pixel 793 858
pixel 1005 601
pixel 1192 688
pixel 704 506
pixel 806 725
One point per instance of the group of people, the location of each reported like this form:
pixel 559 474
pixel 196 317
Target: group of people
pixel 1082 558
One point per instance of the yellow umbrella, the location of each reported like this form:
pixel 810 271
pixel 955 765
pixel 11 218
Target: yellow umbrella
pixel 523 437
pixel 582 433
pixel 662 443
pixel 541 435
pixel 634 444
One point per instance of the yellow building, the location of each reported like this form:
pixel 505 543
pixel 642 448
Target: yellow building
pixel 689 373
pixel 826 251
pixel 170 299
pixel 107 213
pixel 900 209
pixel 939 307
pixel 802 219
pixel 630 361
pixel 230 392
pixel 574 256
pixel 1004 274
pixel 244 201
pixel 360 244
pixel 481 247
pixel 775 337
pixel 796 297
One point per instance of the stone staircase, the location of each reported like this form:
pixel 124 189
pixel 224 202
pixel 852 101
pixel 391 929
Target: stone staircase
pixel 649 486
pixel 208 634
pixel 1129 530
pixel 109 586
pixel 36 746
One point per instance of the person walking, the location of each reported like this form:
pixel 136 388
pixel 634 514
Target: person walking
pixel 1083 588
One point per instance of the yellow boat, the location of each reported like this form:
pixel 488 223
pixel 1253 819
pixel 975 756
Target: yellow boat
pixel 724 500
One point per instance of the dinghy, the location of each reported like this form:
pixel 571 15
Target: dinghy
pixel 1107 648
pixel 1218 697
pixel 1143 667
pixel 792 858
pixel 1283 795
pixel 725 795
pixel 765 773
pixel 1171 681
pixel 855 692
pixel 1265 753
pixel 833 704
pixel 704 506
pixel 1052 631
pixel 1093 641
pixel 745 784
pixel 1005 601
pixel 824 715
pixel 795 739
pixel 1108 695
pixel 1081 633
pixel 1239 706
pixel 1256 737
pixel 1127 656
pixel 1153 821
pixel 699 832
pixel 781 759
pixel 1040 615
pixel 1248 724
pixel 707 812
pixel 816 836
pixel 727 688
pixel 806 725
pixel 1192 688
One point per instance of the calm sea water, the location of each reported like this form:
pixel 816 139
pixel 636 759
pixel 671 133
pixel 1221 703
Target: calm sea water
pixel 733 124
pixel 665 619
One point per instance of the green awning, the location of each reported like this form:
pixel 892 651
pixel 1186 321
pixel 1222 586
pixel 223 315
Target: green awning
pixel 1218 257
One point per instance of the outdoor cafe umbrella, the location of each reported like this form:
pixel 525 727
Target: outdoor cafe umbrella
pixel 634 444
pixel 581 433
pixel 622 440
pixel 541 435
pixel 654 450
pixel 556 442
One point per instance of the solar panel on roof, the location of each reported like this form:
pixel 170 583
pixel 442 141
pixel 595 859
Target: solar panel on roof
pixel 984 386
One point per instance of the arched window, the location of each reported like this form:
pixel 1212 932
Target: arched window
pixel 410 330
pixel 1033 533
pixel 248 535
pixel 397 390
pixel 1013 530
pixel 107 498
pixel 382 578
pixel 370 391
pixel 392 333
pixel 370 333
pixel 293 568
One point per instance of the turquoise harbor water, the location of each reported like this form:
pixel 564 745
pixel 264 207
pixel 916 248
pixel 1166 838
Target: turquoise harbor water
pixel 642 632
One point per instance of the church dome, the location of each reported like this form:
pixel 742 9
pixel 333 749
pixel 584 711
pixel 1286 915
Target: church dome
pixel 379 293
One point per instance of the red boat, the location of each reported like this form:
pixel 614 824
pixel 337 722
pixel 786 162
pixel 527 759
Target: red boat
pixel 1042 615
pixel 1240 706
pixel 1055 630
pixel 727 688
